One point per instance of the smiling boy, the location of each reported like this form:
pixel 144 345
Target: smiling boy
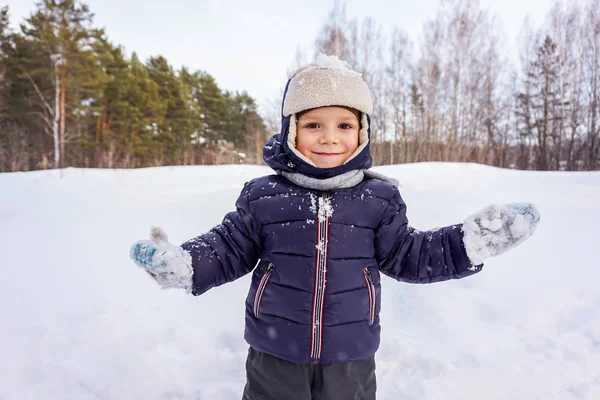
pixel 316 236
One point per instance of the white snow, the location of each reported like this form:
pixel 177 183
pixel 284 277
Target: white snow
pixel 313 203
pixel 320 246
pixel 81 321
pixel 325 208
pixel 325 61
pixel 333 62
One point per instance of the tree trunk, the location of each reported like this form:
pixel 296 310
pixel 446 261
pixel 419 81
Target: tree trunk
pixel 258 143
pixel 63 96
pixel 57 86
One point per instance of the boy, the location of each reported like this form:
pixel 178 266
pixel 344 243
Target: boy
pixel 316 237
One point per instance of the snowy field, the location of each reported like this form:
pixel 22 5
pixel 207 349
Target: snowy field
pixel 80 321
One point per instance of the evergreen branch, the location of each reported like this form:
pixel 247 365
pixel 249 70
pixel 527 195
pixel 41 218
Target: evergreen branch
pixel 45 119
pixel 37 89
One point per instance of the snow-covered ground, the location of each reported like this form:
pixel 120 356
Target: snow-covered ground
pixel 80 321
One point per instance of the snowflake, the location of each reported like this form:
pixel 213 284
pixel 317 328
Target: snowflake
pixel 313 203
pixel 325 209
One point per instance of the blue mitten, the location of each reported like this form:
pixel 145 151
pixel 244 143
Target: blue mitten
pixel 142 253
pixel 169 265
pixel 496 229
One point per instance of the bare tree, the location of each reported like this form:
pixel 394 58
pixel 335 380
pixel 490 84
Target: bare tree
pixel 494 97
pixel 332 40
pixel 591 76
pixel 398 72
pixel 427 96
pixel 271 114
pixel 460 76
pixel 368 59
pixel 462 100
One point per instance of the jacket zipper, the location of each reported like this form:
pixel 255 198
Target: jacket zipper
pixel 372 295
pixel 320 278
pixel 261 288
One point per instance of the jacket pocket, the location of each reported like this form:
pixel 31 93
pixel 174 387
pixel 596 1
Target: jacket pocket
pixel 372 295
pixel 261 288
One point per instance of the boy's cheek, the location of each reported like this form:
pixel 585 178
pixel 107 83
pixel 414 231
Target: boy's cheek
pixel 302 146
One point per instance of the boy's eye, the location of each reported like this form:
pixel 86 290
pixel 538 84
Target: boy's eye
pixel 312 125
pixel 345 126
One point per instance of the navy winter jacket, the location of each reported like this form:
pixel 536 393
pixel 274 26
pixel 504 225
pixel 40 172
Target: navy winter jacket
pixel 316 258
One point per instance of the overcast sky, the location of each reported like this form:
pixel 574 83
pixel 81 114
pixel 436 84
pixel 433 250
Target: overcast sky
pixel 249 44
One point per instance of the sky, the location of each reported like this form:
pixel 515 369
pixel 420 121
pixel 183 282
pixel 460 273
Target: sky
pixel 249 45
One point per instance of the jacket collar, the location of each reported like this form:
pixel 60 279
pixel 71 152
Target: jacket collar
pixel 342 181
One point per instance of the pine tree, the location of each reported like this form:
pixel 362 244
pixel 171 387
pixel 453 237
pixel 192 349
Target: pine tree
pixel 130 112
pixel 62 67
pixel 215 114
pixel 193 117
pixel 4 115
pixel 4 23
pixel 538 105
pixel 20 142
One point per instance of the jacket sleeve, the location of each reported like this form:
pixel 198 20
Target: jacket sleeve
pixel 228 251
pixel 414 256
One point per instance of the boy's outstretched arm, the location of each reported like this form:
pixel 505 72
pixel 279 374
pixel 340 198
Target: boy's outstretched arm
pixel 229 250
pixel 226 252
pixel 452 252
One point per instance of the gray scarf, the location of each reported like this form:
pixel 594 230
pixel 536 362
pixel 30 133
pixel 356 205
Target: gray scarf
pixel 343 181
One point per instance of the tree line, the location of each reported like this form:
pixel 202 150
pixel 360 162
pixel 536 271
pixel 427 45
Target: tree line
pixel 459 95
pixel 69 97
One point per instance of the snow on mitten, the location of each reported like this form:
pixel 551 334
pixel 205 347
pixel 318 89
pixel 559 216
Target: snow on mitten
pixel 496 229
pixel 169 265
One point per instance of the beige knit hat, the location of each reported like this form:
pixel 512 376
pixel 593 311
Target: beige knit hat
pixel 327 81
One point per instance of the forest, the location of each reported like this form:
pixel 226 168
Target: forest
pixel 69 97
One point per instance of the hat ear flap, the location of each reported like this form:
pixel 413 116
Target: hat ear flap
pixel 291 141
pixel 363 136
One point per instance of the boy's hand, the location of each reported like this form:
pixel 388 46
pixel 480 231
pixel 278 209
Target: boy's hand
pixel 169 265
pixel 496 229
pixel 144 252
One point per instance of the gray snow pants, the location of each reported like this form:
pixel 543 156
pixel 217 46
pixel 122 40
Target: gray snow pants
pixel 272 378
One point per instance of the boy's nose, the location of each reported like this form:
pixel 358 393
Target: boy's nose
pixel 329 136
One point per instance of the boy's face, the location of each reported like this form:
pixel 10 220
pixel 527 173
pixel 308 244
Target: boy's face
pixel 328 135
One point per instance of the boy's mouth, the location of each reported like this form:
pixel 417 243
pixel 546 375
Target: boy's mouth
pixel 326 154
